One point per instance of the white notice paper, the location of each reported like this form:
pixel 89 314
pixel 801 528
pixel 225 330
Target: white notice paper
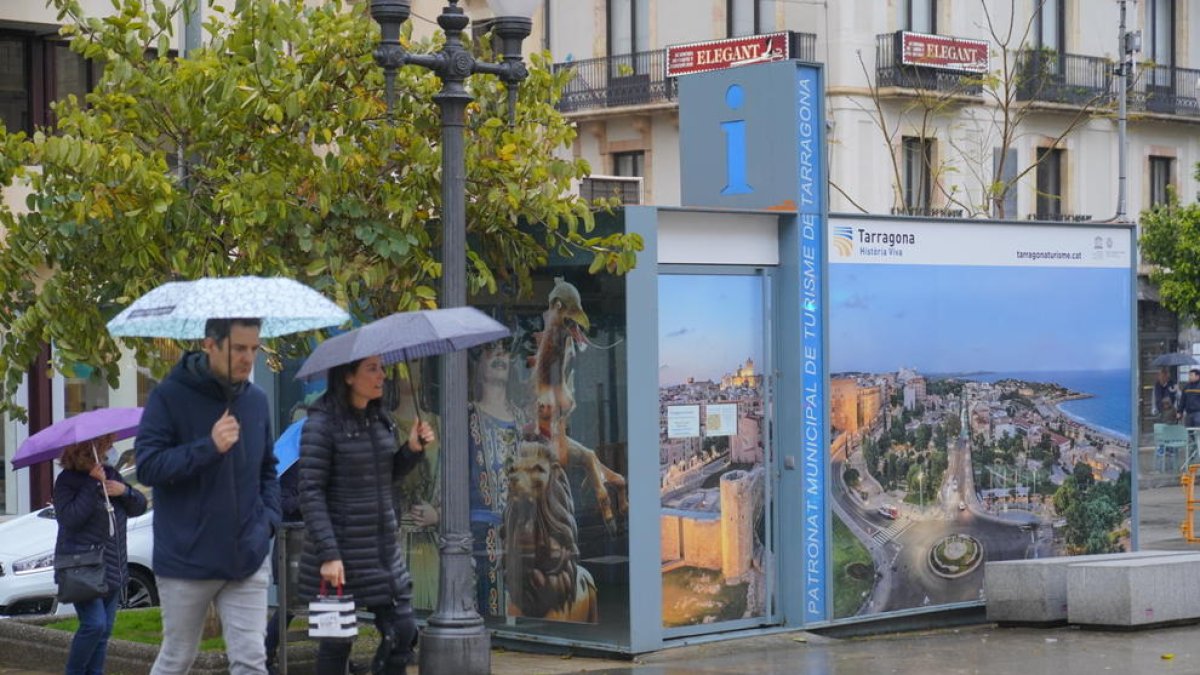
pixel 683 421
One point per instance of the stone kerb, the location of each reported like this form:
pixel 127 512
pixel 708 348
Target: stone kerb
pixel 1034 592
pixel 28 643
pixel 1134 592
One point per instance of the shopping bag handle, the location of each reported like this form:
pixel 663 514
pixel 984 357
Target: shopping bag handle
pixel 321 591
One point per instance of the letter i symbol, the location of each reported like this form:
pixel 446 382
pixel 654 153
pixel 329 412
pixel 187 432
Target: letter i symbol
pixel 735 147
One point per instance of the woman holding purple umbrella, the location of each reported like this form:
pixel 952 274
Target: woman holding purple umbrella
pixel 92 503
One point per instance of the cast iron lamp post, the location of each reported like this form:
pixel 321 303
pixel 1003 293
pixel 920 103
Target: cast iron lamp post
pixel 455 640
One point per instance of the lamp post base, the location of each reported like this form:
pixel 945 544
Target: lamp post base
pixel 455 650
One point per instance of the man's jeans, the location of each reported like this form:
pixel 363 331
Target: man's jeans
pixel 242 606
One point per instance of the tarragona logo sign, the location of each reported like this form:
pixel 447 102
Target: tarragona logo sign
pixel 843 241
pixel 848 241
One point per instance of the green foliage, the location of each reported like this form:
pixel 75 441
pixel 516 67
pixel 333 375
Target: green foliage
pixel 1093 510
pixel 1171 241
pixel 293 169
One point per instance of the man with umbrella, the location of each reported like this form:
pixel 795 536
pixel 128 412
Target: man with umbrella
pixel 205 446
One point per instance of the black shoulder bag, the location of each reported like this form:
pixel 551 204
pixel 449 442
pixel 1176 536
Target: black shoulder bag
pixel 80 576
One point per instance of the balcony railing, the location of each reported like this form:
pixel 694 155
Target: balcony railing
pixel 634 79
pixel 1074 79
pixel 1060 217
pixel 1166 89
pixel 927 212
pixel 890 71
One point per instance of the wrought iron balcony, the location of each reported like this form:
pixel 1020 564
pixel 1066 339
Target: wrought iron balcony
pixel 927 212
pixel 891 71
pixel 1075 79
pixel 1166 89
pixel 1060 217
pixel 633 79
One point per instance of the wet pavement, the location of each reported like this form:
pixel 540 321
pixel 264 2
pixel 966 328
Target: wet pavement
pixel 984 649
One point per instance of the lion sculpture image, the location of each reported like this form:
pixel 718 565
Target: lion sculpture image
pixel 541 561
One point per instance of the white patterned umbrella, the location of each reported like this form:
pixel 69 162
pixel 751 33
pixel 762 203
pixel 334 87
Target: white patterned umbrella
pixel 179 309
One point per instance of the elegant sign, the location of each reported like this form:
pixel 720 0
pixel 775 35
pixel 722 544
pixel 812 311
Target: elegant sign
pixel 699 57
pixel 946 53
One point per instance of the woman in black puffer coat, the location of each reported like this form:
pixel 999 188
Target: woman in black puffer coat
pixel 348 463
pixel 85 523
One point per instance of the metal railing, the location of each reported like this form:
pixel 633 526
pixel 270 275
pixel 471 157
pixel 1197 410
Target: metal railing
pixel 927 212
pixel 1060 217
pixel 634 79
pixel 1075 79
pixel 1166 89
pixel 890 71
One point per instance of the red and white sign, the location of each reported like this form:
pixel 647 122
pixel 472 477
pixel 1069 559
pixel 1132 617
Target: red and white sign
pixel 700 57
pixel 946 53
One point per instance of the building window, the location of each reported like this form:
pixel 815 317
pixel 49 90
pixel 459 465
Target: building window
pixel 15 104
pixel 1051 20
pixel 920 16
pixel 1160 179
pixel 918 162
pixel 35 72
pixel 628 31
pixel 1049 183
pixel 739 17
pixel 628 164
pixel 1160 24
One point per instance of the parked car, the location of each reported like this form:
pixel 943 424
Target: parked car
pixel 889 511
pixel 27 561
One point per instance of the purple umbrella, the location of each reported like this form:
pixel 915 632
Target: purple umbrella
pixel 49 443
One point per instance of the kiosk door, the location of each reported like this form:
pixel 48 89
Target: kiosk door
pixel 715 451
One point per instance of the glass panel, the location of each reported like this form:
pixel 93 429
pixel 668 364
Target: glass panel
pixel 920 16
pixel 980 413
pixel 548 456
pixel 628 163
pixel 1160 178
pixel 1161 31
pixel 741 17
pixel 620 27
pixel 712 443
pixel 766 16
pixel 1049 182
pixel 1049 29
pixel 71 74
pixel 85 393
pixel 917 162
pixel 14 84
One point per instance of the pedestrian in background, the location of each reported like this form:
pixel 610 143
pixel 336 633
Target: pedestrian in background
pixel 1165 397
pixel 85 522
pixel 348 464
pixel 205 446
pixel 1189 399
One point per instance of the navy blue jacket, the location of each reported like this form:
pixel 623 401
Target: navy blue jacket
pixel 1189 399
pixel 83 520
pixel 214 514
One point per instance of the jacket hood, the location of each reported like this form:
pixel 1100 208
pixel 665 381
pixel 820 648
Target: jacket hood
pixel 193 372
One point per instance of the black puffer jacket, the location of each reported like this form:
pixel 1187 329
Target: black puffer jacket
pixel 347 467
pixel 83 520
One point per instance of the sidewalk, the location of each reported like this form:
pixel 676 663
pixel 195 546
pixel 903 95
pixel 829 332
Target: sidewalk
pixel 983 649
pixel 978 650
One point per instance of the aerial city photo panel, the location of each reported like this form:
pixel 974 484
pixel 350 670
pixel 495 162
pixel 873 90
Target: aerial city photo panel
pixel 980 404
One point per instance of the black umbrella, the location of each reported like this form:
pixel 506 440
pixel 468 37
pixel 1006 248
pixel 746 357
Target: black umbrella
pixel 405 336
pixel 1175 359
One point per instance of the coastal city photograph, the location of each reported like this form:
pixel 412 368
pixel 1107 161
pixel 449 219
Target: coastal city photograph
pixel 961 436
pixel 711 448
